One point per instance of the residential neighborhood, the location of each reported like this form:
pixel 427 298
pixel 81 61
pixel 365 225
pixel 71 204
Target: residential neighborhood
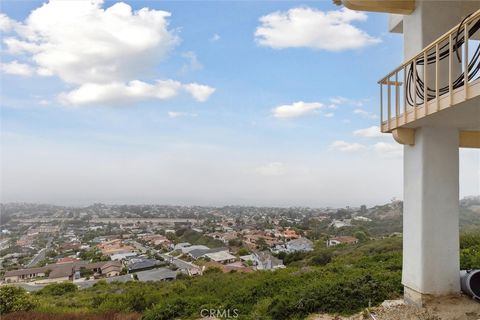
pixel 44 244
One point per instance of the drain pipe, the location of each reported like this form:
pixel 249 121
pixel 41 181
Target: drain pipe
pixel 470 283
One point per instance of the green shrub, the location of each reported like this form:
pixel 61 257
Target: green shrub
pixel 13 299
pixel 58 289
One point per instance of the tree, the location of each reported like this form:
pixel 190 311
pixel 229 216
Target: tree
pixel 235 242
pixel 13 299
pixel 84 272
pixel 171 236
pixel 243 252
pixel 322 258
pixel 361 236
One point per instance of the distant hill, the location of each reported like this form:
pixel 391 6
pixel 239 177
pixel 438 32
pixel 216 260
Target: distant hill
pixel 387 219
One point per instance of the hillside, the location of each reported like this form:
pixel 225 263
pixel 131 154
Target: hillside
pixel 387 219
pixel 341 280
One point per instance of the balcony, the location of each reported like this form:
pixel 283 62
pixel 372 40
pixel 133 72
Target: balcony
pixel 443 75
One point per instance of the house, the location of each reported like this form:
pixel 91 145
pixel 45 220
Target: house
pixel 221 257
pixel 185 267
pixel 140 264
pixel 70 246
pixel 341 240
pixel 265 261
pixel 24 274
pixel 160 274
pixel 67 260
pixel 301 244
pixel 111 269
pixel 290 234
pixel 122 256
pixel 63 271
pixel 252 240
pixel 181 245
pixel 186 250
pixel 111 247
pixel 341 223
pixel 223 236
pixel 362 218
pixel 198 253
pixel 156 239
pixel 248 257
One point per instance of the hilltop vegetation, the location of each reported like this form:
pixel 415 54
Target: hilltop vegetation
pixel 344 280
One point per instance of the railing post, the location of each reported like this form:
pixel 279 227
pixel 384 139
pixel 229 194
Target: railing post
pixel 405 106
pixel 437 84
pixel 397 100
pixel 415 88
pixel 450 68
pixel 389 102
pixel 425 84
pixel 465 63
pixel 381 107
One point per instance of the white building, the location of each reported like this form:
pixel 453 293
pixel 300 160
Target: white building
pixel 433 109
pixel 341 223
pixel 122 256
pixel 221 257
pixel 265 261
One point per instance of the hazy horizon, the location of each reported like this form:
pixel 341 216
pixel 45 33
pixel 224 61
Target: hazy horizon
pixel 245 109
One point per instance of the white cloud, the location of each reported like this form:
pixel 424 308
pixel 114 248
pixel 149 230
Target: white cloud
pixel 296 109
pixel 329 115
pixel 215 37
pixel 365 114
pixel 102 50
pixel 344 146
pixel 16 68
pixel 81 42
pixel 199 92
pixel 44 72
pixel 388 149
pixel 193 62
pixel 118 93
pixel 176 114
pixel 271 169
pixel 370 132
pixel 312 28
pixel 342 100
pixel 6 24
pixel 337 100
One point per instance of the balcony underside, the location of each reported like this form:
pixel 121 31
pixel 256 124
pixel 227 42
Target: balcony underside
pixel 461 111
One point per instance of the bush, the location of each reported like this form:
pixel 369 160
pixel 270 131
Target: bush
pixel 58 289
pixel 14 299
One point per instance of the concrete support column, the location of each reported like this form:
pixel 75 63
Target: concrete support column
pixel 431 208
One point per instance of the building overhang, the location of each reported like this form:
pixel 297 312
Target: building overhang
pixel 387 6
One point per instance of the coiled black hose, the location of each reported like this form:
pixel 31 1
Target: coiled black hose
pixel 444 52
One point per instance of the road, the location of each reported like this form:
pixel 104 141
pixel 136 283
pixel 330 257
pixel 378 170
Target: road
pixel 40 254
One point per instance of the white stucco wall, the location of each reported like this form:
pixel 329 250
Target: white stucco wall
pixel 431 230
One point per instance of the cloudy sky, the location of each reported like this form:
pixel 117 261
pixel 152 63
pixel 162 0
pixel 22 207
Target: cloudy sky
pixel 191 102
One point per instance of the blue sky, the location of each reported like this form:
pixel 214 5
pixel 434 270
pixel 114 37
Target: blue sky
pixel 261 103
